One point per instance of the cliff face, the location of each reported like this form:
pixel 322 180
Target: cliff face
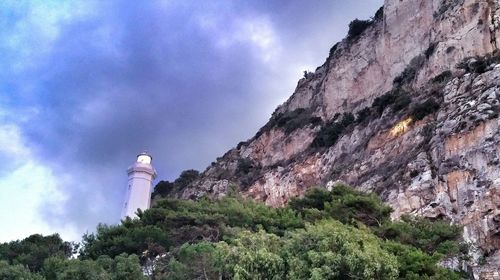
pixel 425 136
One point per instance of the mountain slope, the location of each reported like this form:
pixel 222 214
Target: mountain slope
pixel 390 112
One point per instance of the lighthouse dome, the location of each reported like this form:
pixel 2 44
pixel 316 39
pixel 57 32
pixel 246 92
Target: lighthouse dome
pixel 144 157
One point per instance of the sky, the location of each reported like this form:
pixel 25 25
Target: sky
pixel 87 85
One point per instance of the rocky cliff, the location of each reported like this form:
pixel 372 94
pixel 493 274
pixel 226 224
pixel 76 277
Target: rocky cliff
pixel 406 106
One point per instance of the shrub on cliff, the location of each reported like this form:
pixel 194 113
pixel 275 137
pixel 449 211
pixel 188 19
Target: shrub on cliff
pixel 247 171
pixel 421 110
pixel 344 204
pixel 397 98
pixel 290 121
pixel 401 101
pixel 328 135
pixel 379 14
pixel 162 189
pixel 479 64
pixel 356 27
pixel 444 77
pixel 165 188
pixel 363 114
pixel 333 50
pixel 410 72
pixel 331 131
pixel 428 236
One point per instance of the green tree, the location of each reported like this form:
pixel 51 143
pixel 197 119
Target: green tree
pixel 344 204
pixel 122 267
pixel 33 250
pixel 414 264
pixel 131 238
pixel 62 269
pixel 429 236
pixel 331 250
pixel 17 272
pixel 253 256
pixel 192 261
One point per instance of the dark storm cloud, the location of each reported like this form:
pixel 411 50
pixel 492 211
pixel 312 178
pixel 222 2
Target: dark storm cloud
pixel 148 75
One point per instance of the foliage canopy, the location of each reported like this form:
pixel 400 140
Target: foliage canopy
pixel 337 234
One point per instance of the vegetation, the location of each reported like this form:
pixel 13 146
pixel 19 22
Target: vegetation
pixel 397 99
pixel 363 114
pixel 445 6
pixel 379 14
pixel 430 50
pixel 164 188
pixel 344 204
pixel 424 109
pixel 49 257
pixel 338 234
pixel 444 77
pixel 290 121
pixel 31 251
pixel 356 27
pixel 331 132
pixel 333 50
pixel 410 72
pixel 479 64
pixel 247 172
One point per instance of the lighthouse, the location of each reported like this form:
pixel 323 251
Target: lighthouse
pixel 140 181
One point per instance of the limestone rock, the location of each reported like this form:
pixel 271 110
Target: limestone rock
pixel 443 165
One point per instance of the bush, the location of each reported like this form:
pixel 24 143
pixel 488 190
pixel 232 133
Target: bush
pixel 445 6
pixel 333 50
pixel 330 133
pixel 420 111
pixel 186 178
pixel 363 114
pixel 410 72
pixel 291 121
pixel 430 50
pixel 344 204
pixel 247 172
pixel 163 189
pixel 479 64
pixel 379 15
pixel 331 250
pixel 245 165
pixel 347 119
pixel 356 27
pixel 32 251
pixel 401 102
pixel 308 74
pixel 444 77
pixel 325 235
pixel 397 98
pixel 414 264
pixel 15 272
pixel 424 234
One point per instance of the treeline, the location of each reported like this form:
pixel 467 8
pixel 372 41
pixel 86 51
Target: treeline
pixel 338 234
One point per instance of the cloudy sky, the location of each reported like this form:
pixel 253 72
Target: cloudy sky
pixel 86 85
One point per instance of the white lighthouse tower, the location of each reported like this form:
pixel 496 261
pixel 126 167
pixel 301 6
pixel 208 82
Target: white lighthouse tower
pixel 140 179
